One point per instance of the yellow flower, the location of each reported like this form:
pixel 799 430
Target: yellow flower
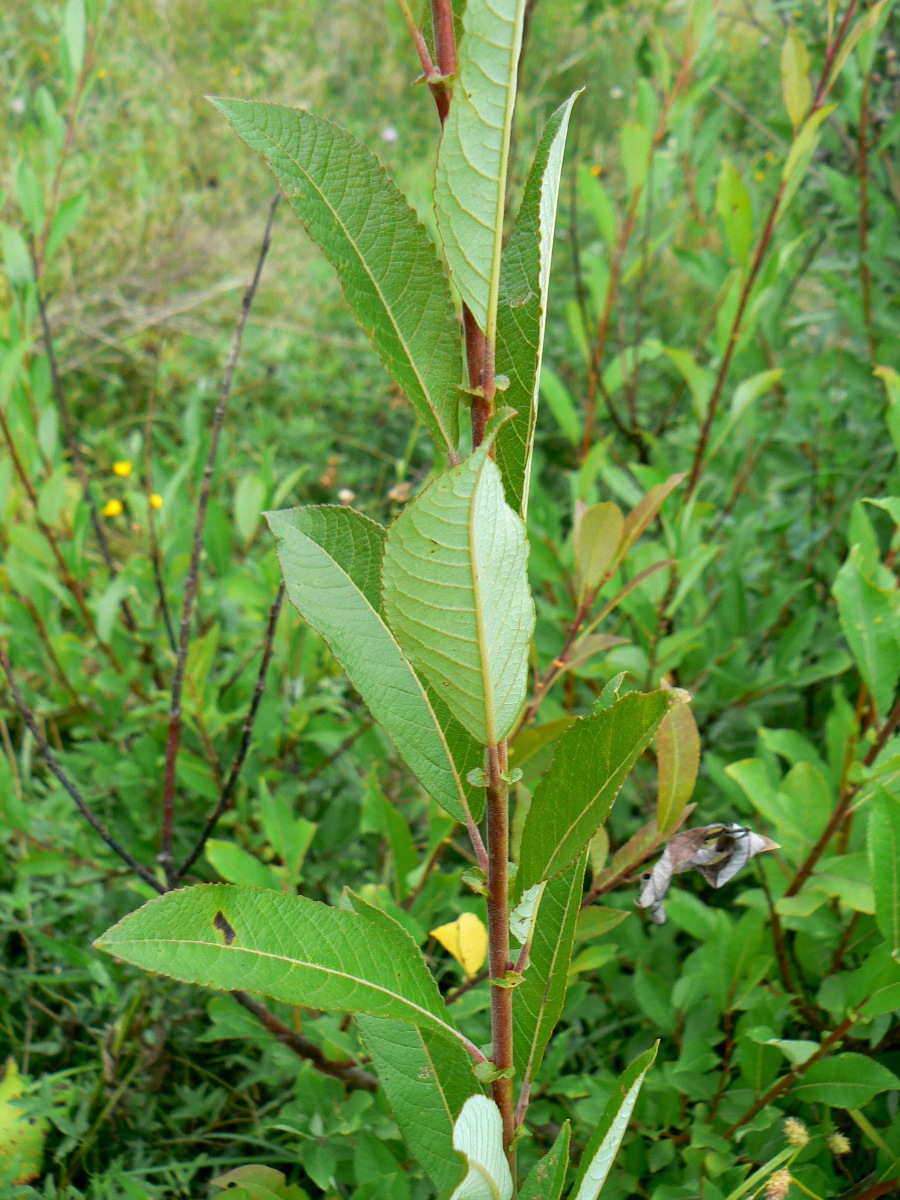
pixel 112 508
pixel 596 171
pixel 235 70
pixel 122 468
pixel 837 1143
pixel 101 74
pixel 759 175
pixel 156 501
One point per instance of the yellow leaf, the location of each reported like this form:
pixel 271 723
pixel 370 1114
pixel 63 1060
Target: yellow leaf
pixel 21 1136
pixel 795 77
pixel 466 939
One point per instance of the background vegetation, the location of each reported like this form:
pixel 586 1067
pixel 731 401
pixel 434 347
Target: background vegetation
pixel 775 996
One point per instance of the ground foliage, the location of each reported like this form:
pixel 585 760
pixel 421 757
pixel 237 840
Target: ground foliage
pixel 775 605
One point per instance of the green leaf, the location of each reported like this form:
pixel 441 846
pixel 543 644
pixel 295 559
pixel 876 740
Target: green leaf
pixel 844 1081
pixel 236 865
pixel 635 146
pixel 795 84
pixel 385 261
pixel 456 595
pixel 603 1146
pixel 589 767
pixel 598 202
pixel 735 212
pixel 547 1177
pixel 249 499
pixel 678 761
pixel 259 1183
pixel 562 406
pixel 597 539
pixel 470 184
pixel 293 949
pixel 427 1078
pixel 290 836
pixel 522 311
pixel 538 1000
pixel 884 862
pixel 74 37
pixel 331 560
pixel 478 1136
pixel 870 618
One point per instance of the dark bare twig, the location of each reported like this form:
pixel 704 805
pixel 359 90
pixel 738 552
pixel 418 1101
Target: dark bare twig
pixel 192 584
pixel 759 257
pixel 56 768
pixel 244 747
pixel 347 1072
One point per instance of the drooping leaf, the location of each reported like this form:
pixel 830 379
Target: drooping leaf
pixel 478 1136
pixel 296 950
pixel 386 263
pixel 844 1081
pixel 538 1000
pixel 427 1079
pixel 678 760
pixel 870 618
pixel 589 767
pixel 456 595
pixel 547 1177
pixel 470 185
pixel 522 311
pixel 884 863
pixel 331 560
pixel 597 539
pixel 603 1146
pixel 466 939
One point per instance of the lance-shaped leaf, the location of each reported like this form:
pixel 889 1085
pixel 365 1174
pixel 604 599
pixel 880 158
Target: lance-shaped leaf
pixel 597 539
pixel 470 186
pixel 538 1000
pixel 522 309
pixel 456 595
pixel 589 767
pixel 884 862
pixel 547 1177
pixel 478 1136
pixel 678 761
pixel 427 1079
pixel 331 560
pixel 603 1146
pixel 870 618
pixel 296 950
pixel 386 263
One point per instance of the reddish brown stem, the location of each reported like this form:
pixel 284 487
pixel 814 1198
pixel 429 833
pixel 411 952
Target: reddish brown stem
pixel 787 1081
pixel 865 275
pixel 498 934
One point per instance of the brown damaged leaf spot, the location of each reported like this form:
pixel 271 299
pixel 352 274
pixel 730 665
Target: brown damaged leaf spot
pixel 224 928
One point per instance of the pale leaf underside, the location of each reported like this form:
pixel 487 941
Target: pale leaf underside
pixel 470 185
pixel 331 559
pixel 456 595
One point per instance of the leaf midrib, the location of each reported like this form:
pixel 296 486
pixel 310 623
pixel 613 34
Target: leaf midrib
pixel 451 449
pixel 294 962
